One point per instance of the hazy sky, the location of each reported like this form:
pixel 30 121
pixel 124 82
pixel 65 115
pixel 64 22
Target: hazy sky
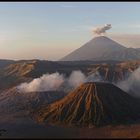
pixel 50 30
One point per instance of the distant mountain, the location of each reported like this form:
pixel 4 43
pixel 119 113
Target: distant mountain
pixel 91 104
pixel 25 71
pixel 114 72
pixel 5 62
pixel 101 49
pixel 137 48
pixel 31 68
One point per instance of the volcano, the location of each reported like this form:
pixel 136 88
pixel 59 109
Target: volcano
pixel 91 104
pixel 103 48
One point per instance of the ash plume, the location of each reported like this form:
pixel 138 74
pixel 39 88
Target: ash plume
pixel 101 30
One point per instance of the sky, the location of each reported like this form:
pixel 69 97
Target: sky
pixel 51 30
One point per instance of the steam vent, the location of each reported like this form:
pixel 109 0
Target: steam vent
pixel 91 104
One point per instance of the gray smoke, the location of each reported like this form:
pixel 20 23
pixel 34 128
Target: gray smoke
pixel 132 83
pixel 101 30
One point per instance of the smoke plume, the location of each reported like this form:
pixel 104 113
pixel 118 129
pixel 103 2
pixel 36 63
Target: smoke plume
pixel 95 77
pixel 56 81
pixel 101 30
pixel 49 82
pixel 131 84
pixel 76 78
pixel 44 83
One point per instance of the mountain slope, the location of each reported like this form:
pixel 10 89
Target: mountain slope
pixel 122 55
pixel 5 62
pixel 102 48
pixel 91 104
pixel 14 103
pixel 25 71
pixel 114 72
pixel 31 68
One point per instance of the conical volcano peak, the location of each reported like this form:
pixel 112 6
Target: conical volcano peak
pixel 94 86
pixel 102 37
pixel 98 83
pixel 91 104
pixel 98 48
pixel 102 48
pixel 105 39
pixel 103 42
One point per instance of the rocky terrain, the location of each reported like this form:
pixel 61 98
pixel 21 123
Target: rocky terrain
pixel 25 71
pixel 91 104
pixel 76 112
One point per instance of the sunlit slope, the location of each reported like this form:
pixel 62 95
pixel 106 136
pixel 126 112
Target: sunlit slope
pixel 91 104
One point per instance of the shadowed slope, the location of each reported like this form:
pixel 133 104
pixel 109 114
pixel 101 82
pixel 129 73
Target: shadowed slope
pixel 91 104
pixel 14 100
pixel 5 62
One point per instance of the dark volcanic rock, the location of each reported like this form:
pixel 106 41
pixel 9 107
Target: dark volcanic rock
pixel 91 104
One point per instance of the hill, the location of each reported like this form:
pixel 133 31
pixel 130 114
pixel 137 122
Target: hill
pixel 91 104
